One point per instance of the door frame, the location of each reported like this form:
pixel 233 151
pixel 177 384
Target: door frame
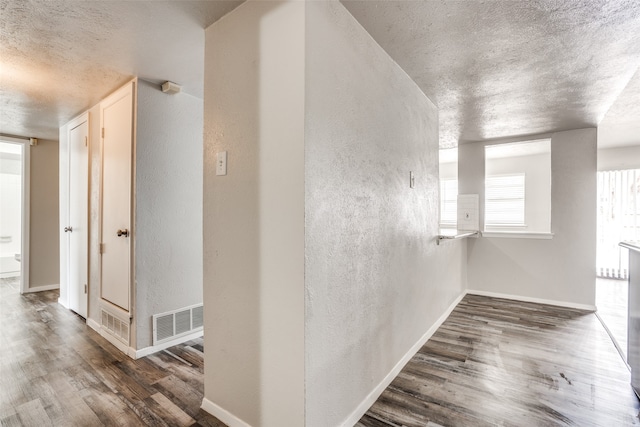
pixel 24 143
pixel 70 126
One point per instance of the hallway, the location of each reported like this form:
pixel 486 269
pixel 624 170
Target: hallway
pixel 56 371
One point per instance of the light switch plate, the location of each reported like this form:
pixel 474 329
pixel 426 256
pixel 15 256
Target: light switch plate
pixel 221 163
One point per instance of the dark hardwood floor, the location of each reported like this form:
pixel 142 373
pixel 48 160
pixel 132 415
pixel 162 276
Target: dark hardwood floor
pixel 56 371
pixel 500 362
pixel 493 362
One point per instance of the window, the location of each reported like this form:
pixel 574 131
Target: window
pixel 504 200
pixel 448 202
pixel 448 171
pixel 517 195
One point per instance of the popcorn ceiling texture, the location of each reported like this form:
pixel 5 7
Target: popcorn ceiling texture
pixel 507 68
pixel 59 58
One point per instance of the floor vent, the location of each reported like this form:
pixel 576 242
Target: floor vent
pixel 174 324
pixel 115 326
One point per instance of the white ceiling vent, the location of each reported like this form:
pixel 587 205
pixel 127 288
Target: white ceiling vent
pixel 174 324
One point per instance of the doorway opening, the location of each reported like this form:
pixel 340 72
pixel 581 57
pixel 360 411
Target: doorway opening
pixel 618 220
pixel 14 213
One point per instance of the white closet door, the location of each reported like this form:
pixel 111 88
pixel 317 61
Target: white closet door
pixel 116 113
pixel 77 229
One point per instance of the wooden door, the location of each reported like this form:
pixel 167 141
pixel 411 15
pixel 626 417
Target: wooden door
pixel 77 228
pixel 116 119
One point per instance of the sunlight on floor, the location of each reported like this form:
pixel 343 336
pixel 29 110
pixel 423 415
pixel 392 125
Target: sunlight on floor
pixel 612 300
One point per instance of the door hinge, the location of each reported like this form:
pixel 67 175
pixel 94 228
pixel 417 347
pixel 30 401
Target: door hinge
pixel 85 288
pixel 86 141
pixel 102 132
pixel 101 248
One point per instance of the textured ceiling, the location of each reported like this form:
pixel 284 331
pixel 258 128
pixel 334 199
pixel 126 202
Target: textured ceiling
pixel 59 58
pixel 508 68
pixel 494 68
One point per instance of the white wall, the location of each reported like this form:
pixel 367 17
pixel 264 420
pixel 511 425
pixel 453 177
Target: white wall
pixel 44 244
pixel 254 216
pixel 537 170
pixel 95 172
pixel 168 233
pixel 561 269
pixel 620 158
pixel 375 280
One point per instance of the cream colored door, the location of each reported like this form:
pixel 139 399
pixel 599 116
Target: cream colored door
pixel 77 229
pixel 116 119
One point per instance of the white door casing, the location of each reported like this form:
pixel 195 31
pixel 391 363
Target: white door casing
pixel 78 220
pixel 116 120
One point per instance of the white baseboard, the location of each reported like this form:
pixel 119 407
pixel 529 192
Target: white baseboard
pixel 113 340
pixel 41 288
pixel 63 303
pixel 223 415
pixel 93 325
pixel 155 348
pixel 363 407
pixel 132 352
pixel 530 299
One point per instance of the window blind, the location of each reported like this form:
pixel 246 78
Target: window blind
pixel 618 220
pixel 505 200
pixel 448 202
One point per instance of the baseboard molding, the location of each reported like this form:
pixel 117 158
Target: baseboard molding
pixel 363 407
pixel 113 340
pixel 223 415
pixel 93 325
pixel 63 303
pixel 155 348
pixel 535 300
pixel 41 288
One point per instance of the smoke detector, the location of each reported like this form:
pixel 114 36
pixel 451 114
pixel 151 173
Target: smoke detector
pixel 170 87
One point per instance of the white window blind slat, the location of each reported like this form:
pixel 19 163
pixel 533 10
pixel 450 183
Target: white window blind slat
pixel 505 200
pixel 448 202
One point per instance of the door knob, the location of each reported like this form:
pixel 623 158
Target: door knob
pixel 68 229
pixel 124 233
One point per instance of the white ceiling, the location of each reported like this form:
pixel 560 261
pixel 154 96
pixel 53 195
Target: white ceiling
pixel 494 68
pixel 60 57
pixel 508 68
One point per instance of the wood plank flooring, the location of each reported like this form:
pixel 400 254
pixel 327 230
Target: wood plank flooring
pixel 493 362
pixel 56 371
pixel 500 362
pixel 612 297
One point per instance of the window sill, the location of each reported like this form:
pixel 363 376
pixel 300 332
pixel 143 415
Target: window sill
pixel 517 235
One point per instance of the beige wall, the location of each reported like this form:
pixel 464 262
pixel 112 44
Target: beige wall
pixel 44 241
pixel 254 216
pixel 559 270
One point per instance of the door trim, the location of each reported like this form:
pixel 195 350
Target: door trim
pixel 74 123
pixel 25 198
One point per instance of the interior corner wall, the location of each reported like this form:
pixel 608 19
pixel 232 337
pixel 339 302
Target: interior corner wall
pixel 168 208
pixel 561 269
pixel 44 237
pixel 254 215
pixel 375 280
